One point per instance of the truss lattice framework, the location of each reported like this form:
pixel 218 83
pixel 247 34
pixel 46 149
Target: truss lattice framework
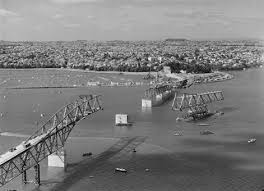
pixel 153 91
pixel 160 88
pixel 197 112
pixel 189 101
pixel 48 139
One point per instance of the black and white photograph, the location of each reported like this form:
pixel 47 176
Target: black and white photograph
pixel 131 95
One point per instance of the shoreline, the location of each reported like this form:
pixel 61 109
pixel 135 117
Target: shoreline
pixel 203 78
pixel 78 70
pixel 216 76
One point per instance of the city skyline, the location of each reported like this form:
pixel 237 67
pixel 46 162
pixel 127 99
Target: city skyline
pixel 45 20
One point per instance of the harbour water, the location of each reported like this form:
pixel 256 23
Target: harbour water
pixel 221 161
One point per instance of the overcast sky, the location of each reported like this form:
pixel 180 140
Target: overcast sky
pixel 130 19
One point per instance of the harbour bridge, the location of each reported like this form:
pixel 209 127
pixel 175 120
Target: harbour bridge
pixel 46 140
pixel 196 104
pixel 162 91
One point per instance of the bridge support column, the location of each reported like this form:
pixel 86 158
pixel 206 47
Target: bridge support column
pixel 157 99
pixel 37 174
pixel 58 159
pixel 146 103
pixel 24 177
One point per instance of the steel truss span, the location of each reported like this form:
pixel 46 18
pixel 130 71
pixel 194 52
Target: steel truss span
pixel 160 88
pixel 154 91
pixel 190 101
pixel 48 139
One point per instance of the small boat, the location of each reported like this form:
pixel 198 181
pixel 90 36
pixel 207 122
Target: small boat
pixel 252 140
pixel 177 134
pixel 120 170
pixel 87 154
pixel 203 124
pixel 206 133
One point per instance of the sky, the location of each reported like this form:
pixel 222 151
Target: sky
pixel 50 20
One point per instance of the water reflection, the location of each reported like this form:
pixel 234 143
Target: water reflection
pixel 121 130
pixel 146 110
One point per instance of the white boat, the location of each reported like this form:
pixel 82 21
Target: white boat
pixel 120 170
pixel 206 132
pixel 203 124
pixel 177 134
pixel 252 140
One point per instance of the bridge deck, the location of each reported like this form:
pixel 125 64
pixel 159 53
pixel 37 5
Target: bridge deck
pixel 46 140
pixel 188 101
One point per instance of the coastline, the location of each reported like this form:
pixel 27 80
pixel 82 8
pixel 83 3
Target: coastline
pixel 203 78
pixel 78 70
pixel 120 79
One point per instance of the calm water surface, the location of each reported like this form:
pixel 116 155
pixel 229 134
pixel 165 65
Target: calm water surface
pixel 243 118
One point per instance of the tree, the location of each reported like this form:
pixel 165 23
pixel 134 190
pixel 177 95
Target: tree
pixel 196 53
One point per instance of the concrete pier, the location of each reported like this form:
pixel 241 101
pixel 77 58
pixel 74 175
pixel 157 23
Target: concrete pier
pixel 157 99
pixel 58 159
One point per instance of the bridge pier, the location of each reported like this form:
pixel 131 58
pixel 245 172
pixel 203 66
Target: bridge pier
pixel 37 174
pixel 58 159
pixel 157 99
pixel 146 103
pixel 24 177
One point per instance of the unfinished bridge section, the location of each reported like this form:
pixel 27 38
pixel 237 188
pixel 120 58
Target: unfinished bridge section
pixel 48 139
pixel 157 95
pixel 162 92
pixel 196 104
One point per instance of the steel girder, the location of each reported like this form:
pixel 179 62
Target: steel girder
pixel 189 101
pixel 160 88
pixel 153 91
pixel 48 139
pixel 197 112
